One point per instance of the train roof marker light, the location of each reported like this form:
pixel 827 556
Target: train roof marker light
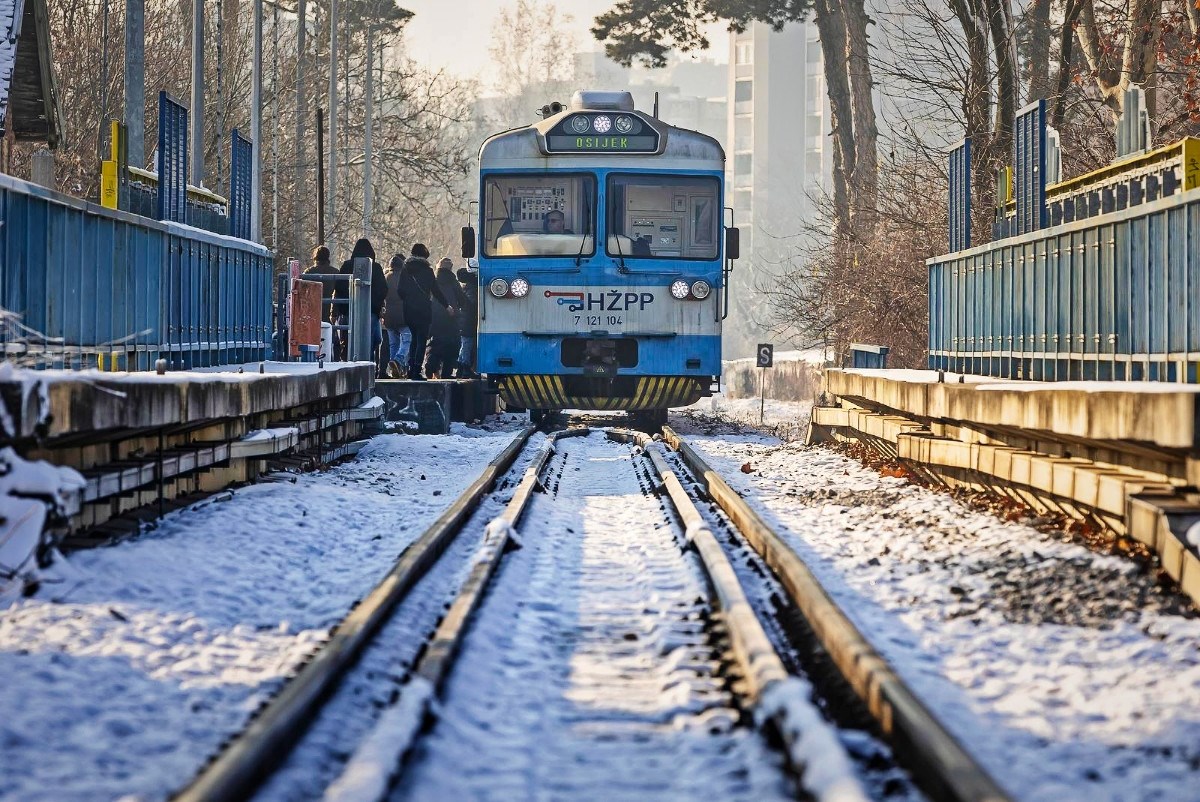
pixel 601 100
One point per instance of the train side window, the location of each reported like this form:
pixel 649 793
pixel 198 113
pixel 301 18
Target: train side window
pixel 663 216
pixel 539 215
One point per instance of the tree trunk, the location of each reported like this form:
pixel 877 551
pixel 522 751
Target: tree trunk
pixel 864 180
pixel 1039 47
pixel 1066 41
pixel 831 27
pixel 1141 50
pixel 1004 46
pixel 976 100
pixel 1193 15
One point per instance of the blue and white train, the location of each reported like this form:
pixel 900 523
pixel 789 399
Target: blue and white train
pixel 603 261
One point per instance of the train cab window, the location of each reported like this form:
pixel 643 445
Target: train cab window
pixel 663 217
pixel 539 215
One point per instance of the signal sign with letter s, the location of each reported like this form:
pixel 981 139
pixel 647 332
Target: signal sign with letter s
pixel 766 355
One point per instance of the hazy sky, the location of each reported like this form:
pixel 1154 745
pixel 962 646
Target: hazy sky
pixel 456 34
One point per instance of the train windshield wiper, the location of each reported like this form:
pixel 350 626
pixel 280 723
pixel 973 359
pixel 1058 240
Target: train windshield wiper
pixel 587 214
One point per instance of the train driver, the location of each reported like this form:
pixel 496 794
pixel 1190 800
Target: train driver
pixel 555 222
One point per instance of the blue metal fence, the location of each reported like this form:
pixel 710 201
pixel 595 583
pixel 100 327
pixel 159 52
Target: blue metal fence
pixel 172 159
pixel 960 197
pixel 240 180
pixel 97 281
pixel 1030 167
pixel 1109 297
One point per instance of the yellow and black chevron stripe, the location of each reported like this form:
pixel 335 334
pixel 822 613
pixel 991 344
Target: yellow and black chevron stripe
pixel 652 392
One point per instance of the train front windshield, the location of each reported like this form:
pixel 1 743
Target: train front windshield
pixel 539 215
pixel 663 216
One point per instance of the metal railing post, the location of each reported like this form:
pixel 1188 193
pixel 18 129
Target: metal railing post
pixel 359 336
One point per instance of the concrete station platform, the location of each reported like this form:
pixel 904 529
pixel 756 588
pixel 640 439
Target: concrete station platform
pixel 1124 456
pixel 143 440
pixel 462 400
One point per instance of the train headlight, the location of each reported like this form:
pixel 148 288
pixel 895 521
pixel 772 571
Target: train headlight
pixel 602 123
pixel 580 124
pixel 680 289
pixel 519 288
pixel 700 289
pixel 498 287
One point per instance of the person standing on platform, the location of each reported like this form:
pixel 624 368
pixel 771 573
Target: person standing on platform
pixel 468 322
pixel 417 286
pixel 363 250
pixel 446 339
pixel 398 334
pixel 321 267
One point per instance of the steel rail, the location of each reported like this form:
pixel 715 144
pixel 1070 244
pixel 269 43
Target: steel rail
pixel 377 762
pixel 825 770
pixel 247 759
pixel 942 766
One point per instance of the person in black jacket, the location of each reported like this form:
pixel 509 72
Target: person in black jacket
pixel 320 268
pixel 468 322
pixel 399 335
pixel 446 339
pixel 379 289
pixel 417 284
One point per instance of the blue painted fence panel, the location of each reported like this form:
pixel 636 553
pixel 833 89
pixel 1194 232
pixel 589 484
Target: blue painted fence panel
pixel 239 185
pixel 960 197
pixel 97 281
pixel 1029 170
pixel 172 159
pixel 1107 297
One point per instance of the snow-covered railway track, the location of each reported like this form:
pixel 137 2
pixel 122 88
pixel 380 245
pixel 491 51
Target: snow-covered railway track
pixel 937 760
pixel 607 657
pixel 249 757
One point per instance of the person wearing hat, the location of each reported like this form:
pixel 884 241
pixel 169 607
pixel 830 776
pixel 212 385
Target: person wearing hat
pixel 418 287
pixel 363 250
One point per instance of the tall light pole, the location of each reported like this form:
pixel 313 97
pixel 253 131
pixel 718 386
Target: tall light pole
pixel 300 149
pixel 135 81
pixel 197 111
pixel 367 199
pixel 256 127
pixel 331 178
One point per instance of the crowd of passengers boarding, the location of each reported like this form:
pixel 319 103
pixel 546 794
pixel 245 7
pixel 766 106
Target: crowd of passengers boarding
pixel 430 318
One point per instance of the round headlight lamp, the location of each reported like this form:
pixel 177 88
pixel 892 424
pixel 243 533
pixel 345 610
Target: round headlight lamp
pixel 700 289
pixel 498 287
pixel 519 288
pixel 679 289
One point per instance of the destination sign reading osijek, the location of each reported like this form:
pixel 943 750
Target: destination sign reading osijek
pixel 602 132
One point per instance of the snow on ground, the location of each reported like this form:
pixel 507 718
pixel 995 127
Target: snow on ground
pixel 1068 674
pixel 126 682
pixel 586 673
pixel 29 493
pixel 787 420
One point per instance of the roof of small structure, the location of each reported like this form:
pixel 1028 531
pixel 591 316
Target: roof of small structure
pixel 28 95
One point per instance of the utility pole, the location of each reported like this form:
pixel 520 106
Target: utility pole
pixel 135 81
pixel 331 178
pixel 367 199
pixel 256 127
pixel 320 179
pixel 300 149
pixel 196 168
pixel 275 127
